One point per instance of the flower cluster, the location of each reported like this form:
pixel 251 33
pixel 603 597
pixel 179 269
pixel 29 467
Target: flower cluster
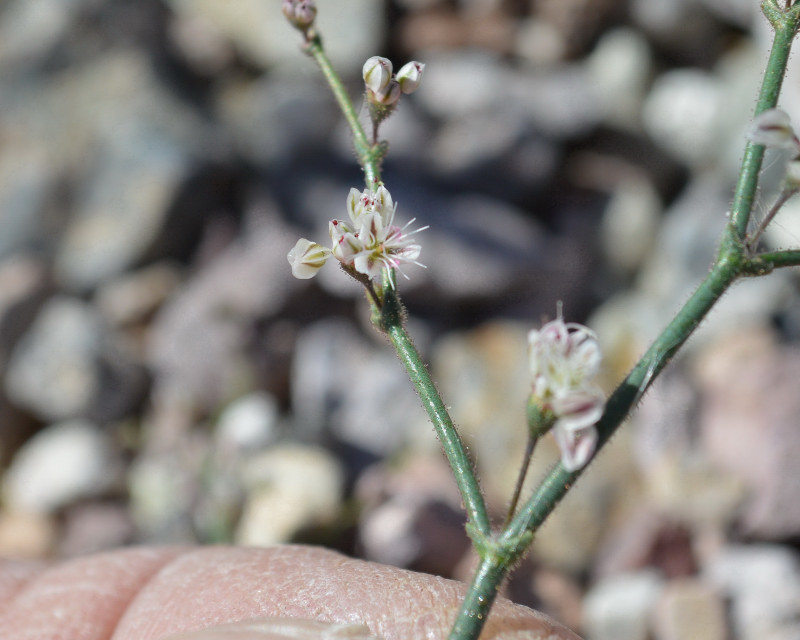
pixel 368 243
pixel 384 89
pixel 564 360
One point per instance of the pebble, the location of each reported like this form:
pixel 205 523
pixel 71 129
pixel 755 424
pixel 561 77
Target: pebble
pixel 690 609
pixel 763 586
pixel 62 464
pixel 70 364
pixel 290 488
pixel 619 608
pixel 373 415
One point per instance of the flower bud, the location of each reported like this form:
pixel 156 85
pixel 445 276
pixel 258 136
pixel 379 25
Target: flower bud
pixel 377 73
pixel 389 95
pixel 301 13
pixel 773 128
pixel 307 258
pixel 409 76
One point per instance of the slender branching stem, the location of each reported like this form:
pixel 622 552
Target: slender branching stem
pixel 392 324
pixel 783 198
pixel 778 259
pixel 785 23
pixel 369 155
pixel 523 472
pixel 732 262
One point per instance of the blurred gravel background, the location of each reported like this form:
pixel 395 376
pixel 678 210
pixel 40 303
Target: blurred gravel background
pixel 166 380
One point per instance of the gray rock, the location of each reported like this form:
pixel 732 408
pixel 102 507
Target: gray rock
pixel 249 422
pixel 682 113
pixel 620 68
pixel 143 142
pixel 619 608
pixel 276 118
pixel 368 403
pixel 261 33
pixel 197 345
pixel 70 364
pixel 748 426
pixel 63 463
pixel 763 584
pixel 29 30
pixel 412 515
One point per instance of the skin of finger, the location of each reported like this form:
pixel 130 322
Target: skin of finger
pixel 149 594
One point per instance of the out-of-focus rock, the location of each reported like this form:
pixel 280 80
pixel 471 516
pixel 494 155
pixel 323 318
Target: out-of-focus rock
pixel 27 535
pixel 262 34
pixel 412 516
pixel 368 403
pixel 248 423
pixel 133 298
pixel 290 488
pixel 762 583
pixel 683 111
pixel 198 343
pixel 275 119
pixel 690 609
pixel 619 608
pixel 620 68
pixel 749 420
pixel 70 364
pixel 142 144
pixel 61 464
pixel 646 538
pixel 24 286
pixel 94 527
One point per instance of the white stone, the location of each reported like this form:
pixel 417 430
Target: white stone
pixel 618 608
pixel 63 463
pixel 249 422
pixel 683 112
pixel 290 487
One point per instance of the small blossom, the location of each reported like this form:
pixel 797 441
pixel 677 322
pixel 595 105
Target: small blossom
pixel 368 242
pixel 307 258
pixel 377 73
pixel 773 128
pixel 564 361
pixel 409 76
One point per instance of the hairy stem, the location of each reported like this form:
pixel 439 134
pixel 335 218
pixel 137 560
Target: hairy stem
pixel 392 321
pixel 785 23
pixel 368 156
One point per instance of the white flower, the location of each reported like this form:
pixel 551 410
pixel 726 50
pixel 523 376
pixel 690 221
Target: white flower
pixel 409 76
pixel 368 242
pixel 773 128
pixel 564 361
pixel 377 73
pixel 307 258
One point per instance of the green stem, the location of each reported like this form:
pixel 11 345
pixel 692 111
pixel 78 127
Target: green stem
pixel 369 156
pixel 392 323
pixel 785 23
pixel 516 537
pixel 777 259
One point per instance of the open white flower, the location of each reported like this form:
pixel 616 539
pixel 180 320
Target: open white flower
pixel 564 361
pixel 368 242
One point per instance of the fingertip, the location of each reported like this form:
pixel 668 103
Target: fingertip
pixel 278 629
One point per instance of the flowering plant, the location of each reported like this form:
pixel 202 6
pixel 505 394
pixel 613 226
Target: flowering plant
pixel 564 357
